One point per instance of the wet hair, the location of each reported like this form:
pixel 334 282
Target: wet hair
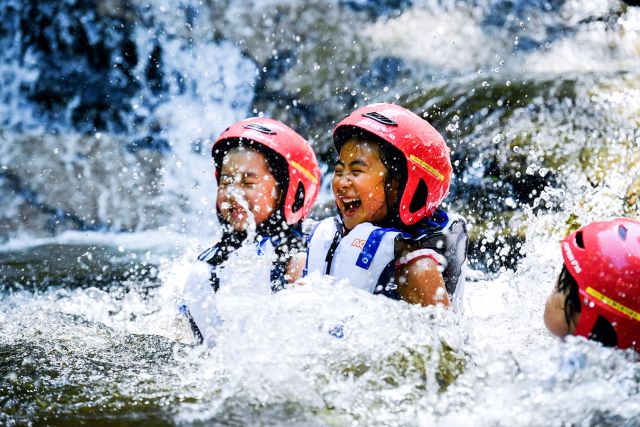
pixel 568 286
pixel 395 163
pixel 602 331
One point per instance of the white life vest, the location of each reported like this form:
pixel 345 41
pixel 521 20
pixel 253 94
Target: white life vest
pixel 366 255
pixel 361 256
pixel 248 269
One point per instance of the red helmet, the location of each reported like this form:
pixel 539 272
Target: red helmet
pixel 303 170
pixel 604 260
pixel 427 155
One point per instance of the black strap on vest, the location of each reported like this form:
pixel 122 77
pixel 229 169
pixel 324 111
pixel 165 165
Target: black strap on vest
pixel 332 251
pixel 284 248
pixel 340 231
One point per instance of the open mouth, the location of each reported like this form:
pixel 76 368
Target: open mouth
pixel 234 212
pixel 237 211
pixel 350 205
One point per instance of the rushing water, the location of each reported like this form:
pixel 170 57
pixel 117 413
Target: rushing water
pixel 107 353
pixel 106 115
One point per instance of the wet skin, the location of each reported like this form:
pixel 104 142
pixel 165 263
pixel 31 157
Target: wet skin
pixel 247 191
pixel 359 184
pixel 554 317
pixel 359 188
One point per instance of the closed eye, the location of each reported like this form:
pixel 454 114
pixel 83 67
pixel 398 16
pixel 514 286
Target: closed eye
pixel 226 180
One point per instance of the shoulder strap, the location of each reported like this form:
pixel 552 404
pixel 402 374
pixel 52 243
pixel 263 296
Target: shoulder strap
pixel 332 251
pixel 206 254
pixel 319 251
pixel 371 247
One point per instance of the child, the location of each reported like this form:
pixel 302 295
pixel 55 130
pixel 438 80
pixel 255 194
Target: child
pixel 390 238
pixel 268 178
pixel 598 292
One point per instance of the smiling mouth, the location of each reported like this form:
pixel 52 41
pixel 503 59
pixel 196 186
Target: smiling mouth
pixel 350 205
pixel 235 211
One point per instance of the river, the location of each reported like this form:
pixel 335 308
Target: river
pixel 107 110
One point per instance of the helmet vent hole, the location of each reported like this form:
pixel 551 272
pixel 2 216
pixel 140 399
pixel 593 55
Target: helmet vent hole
pixel 380 118
pixel 579 240
pixel 259 128
pixel 298 202
pixel 419 199
pixel 622 231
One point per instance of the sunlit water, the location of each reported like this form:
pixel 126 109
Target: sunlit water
pixel 88 328
pixel 318 354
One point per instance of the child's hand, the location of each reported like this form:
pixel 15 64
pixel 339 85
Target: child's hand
pixel 295 268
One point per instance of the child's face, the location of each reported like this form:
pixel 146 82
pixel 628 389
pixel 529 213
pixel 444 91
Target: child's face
pixel 248 192
pixel 359 183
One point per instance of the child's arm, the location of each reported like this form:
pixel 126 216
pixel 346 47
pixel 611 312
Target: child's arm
pixel 420 282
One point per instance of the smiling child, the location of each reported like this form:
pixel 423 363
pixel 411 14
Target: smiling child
pixel 268 179
pixel 390 238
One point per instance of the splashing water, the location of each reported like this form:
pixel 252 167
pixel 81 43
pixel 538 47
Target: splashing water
pixel 322 353
pixel 539 101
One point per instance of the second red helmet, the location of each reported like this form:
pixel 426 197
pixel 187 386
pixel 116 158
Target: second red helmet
pixel 604 260
pixel 427 155
pixel 302 165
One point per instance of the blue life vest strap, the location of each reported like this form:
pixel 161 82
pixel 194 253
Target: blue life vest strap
pixel 371 247
pixel 386 282
pixel 262 242
pixel 438 220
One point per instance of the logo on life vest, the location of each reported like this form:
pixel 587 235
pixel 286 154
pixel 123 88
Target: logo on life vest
pixel 572 259
pixel 358 243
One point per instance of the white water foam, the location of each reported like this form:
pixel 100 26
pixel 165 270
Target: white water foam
pixel 210 87
pixel 285 347
pixel 454 37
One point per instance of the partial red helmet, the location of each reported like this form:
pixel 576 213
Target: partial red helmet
pixel 604 260
pixel 302 165
pixel 427 155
